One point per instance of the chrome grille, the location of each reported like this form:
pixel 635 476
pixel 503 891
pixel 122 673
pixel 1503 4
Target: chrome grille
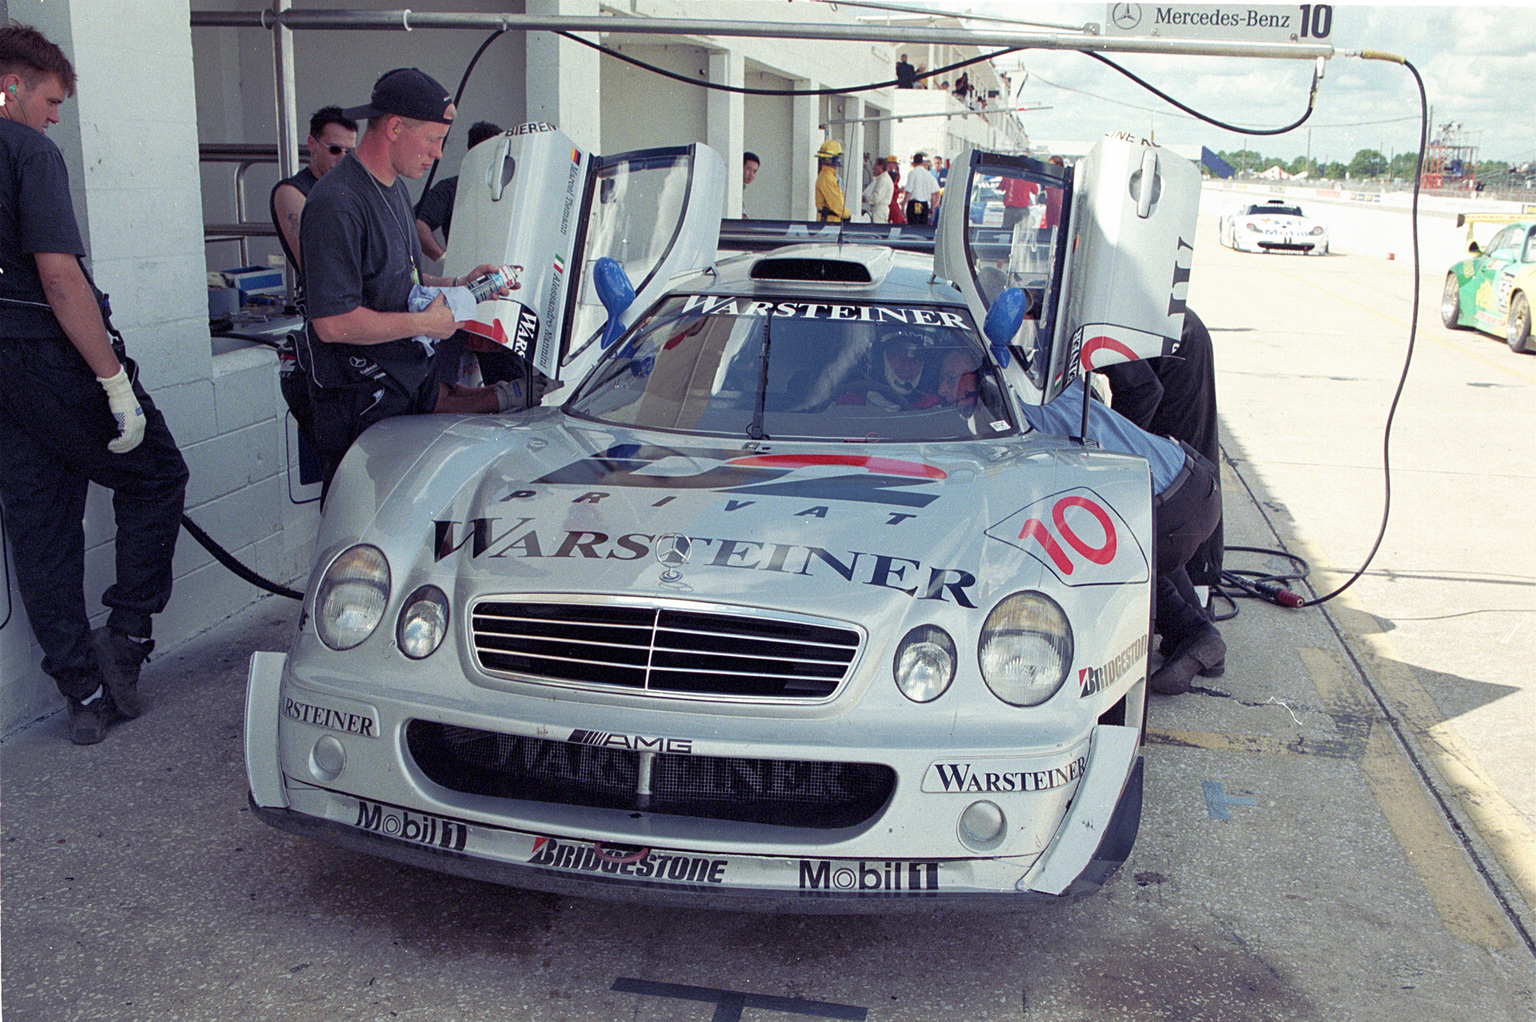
pixel 790 793
pixel 663 649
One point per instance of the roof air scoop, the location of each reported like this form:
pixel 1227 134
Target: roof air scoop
pixel 824 264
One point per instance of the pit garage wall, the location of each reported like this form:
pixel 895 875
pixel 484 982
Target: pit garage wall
pixel 152 88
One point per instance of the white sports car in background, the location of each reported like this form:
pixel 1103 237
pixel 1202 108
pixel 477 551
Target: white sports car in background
pixel 1273 226
pixel 784 608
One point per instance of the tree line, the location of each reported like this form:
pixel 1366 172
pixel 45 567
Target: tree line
pixel 1373 164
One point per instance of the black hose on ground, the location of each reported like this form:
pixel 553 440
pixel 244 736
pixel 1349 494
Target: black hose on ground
pixel 227 559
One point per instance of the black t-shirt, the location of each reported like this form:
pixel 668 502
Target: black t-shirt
pixel 358 242
pixel 436 207
pixel 304 180
pixel 36 215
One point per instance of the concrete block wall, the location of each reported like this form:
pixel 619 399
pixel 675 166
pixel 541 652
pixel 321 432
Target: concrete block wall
pixel 131 147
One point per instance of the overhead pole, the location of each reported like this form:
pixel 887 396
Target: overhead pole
pixel 1087 40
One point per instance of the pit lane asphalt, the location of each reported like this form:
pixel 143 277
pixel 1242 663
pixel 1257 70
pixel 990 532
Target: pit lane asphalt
pixel 1338 829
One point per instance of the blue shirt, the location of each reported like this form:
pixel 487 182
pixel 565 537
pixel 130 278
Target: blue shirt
pixel 1111 430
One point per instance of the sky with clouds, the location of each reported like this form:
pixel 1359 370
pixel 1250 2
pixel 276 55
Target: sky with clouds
pixel 1478 64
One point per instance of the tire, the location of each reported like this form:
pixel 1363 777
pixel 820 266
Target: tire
pixel 1450 303
pixel 1519 330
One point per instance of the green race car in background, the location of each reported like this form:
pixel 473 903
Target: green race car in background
pixel 1491 289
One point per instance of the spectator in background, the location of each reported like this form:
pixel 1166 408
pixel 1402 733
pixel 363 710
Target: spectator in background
pixel 920 188
pixel 921 81
pixel 1018 196
pixel 906 74
pixel 879 193
pixel 434 210
pixel 893 170
pixel 331 137
pixel 830 205
pixel 1052 215
pixel 749 168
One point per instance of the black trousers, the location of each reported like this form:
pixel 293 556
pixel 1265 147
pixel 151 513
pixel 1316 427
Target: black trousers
pixel 54 429
pixel 1183 517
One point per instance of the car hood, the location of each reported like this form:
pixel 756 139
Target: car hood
pixel 541 503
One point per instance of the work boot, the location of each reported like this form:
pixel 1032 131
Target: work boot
pixel 119 658
pixel 1216 670
pixel 88 721
pixel 1200 650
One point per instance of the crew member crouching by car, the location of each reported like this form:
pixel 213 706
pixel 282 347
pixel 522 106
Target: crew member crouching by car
pixel 1185 510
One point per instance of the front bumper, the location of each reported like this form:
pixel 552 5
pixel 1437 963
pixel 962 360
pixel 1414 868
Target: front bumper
pixel 1090 840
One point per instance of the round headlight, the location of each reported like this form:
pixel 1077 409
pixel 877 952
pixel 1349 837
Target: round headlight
pixel 423 622
pixel 1317 231
pixel 925 663
pixel 353 593
pixel 1025 649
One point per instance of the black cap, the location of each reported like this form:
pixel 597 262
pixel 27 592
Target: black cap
pixel 408 92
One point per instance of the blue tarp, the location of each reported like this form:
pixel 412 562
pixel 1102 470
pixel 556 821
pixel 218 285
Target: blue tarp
pixel 1216 165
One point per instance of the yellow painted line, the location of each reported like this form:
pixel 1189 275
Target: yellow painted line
pixel 1460 896
pixel 1263 744
pixel 1500 824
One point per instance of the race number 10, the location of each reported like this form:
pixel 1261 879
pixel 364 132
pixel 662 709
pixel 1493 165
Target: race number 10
pixel 1101 554
pixel 1316 21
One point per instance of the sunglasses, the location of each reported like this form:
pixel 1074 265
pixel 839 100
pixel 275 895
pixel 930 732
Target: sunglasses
pixel 338 150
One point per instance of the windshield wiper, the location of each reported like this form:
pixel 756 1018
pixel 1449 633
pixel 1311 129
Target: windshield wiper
pixel 755 430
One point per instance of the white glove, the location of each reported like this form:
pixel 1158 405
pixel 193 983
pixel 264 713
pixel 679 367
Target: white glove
pixel 512 396
pixel 125 411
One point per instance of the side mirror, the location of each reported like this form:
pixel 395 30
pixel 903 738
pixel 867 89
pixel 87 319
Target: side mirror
pixel 615 292
pixel 1474 249
pixel 1004 320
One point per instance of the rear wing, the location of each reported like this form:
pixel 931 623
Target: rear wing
pixel 1471 220
pixel 1467 219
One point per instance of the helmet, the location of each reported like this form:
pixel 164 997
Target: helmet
pixel 831 149
pixel 901 360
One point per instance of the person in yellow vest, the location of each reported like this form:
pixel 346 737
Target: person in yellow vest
pixel 830 206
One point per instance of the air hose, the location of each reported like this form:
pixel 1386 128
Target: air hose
pixel 227 559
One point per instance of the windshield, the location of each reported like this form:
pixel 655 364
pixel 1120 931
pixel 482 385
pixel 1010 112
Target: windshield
pixel 1268 210
pixel 799 370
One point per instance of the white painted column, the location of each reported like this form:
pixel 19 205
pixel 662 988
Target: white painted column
pixel 563 78
pixel 129 138
pixel 726 121
pixel 805 140
pixel 854 163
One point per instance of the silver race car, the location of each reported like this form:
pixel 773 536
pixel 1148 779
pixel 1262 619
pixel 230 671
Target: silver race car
pixel 783 607
pixel 1273 226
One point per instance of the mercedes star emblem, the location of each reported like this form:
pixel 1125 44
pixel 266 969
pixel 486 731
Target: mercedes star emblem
pixel 672 553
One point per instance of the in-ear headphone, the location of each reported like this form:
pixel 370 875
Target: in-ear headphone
pixel 11 89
